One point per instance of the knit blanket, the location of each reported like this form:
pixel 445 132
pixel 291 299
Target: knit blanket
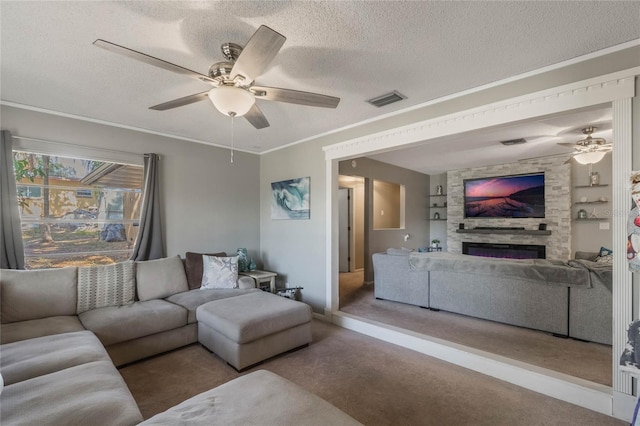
pixel 553 272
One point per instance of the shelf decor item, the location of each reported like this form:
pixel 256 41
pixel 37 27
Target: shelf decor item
pixel 439 190
pixel 594 179
pixel 435 243
pixel 436 215
pixel 582 214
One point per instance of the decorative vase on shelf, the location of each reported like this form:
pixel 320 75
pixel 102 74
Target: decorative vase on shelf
pixel 582 214
pixel 594 179
pixel 439 190
pixel 436 215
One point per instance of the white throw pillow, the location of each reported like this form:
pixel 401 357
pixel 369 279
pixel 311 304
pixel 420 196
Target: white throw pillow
pixel 219 272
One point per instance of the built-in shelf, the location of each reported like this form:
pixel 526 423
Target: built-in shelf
pixel 591 202
pixel 591 218
pixel 437 195
pixel 440 219
pixel 438 207
pixel 504 231
pixel 591 186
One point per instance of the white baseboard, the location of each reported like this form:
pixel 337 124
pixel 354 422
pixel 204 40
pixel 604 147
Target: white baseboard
pixel 566 388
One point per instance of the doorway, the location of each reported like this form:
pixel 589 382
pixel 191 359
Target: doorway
pixel 351 235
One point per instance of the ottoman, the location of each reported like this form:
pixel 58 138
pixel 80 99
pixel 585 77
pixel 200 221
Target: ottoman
pixel 247 329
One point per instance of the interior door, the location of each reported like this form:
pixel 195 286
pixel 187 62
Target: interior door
pixel 344 195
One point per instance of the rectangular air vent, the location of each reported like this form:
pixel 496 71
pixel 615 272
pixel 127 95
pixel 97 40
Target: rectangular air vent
pixel 387 99
pixel 514 141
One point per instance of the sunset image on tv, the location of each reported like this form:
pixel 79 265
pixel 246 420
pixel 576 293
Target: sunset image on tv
pixel 520 196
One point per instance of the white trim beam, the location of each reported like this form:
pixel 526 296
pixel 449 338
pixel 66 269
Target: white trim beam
pixel 622 279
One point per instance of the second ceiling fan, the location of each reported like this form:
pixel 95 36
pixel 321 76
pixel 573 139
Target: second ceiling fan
pixel 234 92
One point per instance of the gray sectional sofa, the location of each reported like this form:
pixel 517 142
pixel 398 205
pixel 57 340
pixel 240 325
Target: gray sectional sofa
pixel 565 298
pixel 63 337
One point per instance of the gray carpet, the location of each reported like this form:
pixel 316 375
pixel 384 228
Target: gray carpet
pixel 590 361
pixel 375 382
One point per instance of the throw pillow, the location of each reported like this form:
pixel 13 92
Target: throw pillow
pixel 605 251
pixel 160 278
pixel 219 272
pixel 109 285
pixel 193 266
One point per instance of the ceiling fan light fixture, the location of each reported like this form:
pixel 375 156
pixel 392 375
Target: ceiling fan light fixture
pixel 590 157
pixel 231 100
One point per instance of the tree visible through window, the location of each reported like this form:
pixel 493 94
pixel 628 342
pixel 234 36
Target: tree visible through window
pixel 76 212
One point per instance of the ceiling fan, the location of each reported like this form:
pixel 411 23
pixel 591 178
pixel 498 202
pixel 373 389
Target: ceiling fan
pixel 589 150
pixel 234 92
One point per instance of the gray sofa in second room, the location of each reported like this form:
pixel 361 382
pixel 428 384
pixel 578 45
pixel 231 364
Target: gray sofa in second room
pixel 550 296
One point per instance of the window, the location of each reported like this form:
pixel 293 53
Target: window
pixel 29 191
pixel 76 212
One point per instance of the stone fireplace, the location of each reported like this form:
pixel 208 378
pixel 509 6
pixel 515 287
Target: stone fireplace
pixel 557 218
pixel 505 251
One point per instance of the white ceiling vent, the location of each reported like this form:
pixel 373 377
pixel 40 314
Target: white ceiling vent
pixel 387 99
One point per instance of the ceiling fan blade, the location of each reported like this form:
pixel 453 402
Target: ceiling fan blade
pixel 256 117
pixel 295 97
pixel 143 57
pixel 260 50
pixel 181 102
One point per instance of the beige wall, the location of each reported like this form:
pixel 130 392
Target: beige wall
pixel 386 205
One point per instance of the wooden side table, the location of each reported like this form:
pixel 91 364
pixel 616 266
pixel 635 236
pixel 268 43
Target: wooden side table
pixel 262 277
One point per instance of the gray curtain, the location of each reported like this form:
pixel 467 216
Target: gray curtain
pixel 150 242
pixel 11 247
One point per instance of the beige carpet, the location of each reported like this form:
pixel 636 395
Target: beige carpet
pixel 375 382
pixel 590 361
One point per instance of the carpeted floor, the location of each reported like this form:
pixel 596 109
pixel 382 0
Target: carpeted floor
pixel 375 382
pixel 590 361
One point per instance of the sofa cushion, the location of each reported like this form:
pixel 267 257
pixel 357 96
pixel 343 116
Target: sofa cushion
pixel 193 266
pixel 258 398
pixel 190 300
pixel 157 279
pixel 105 285
pixel 92 393
pixel 43 355
pixel 219 272
pixel 115 324
pixel 42 293
pixel 23 330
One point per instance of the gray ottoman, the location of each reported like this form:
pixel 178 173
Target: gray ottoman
pixel 250 328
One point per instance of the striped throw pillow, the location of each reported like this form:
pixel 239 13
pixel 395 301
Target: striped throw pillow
pixel 109 285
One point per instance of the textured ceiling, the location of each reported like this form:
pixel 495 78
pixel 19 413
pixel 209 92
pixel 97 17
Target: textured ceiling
pixel 353 50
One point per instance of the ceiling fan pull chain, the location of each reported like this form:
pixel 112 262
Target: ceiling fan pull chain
pixel 232 114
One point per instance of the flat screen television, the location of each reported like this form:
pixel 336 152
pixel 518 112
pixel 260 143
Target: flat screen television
pixel 514 196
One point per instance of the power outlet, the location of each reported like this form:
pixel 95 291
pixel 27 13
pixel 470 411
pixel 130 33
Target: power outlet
pixel 604 226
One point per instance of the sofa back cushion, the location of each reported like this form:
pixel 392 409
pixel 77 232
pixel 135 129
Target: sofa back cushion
pixel 157 279
pixel 42 293
pixel 193 266
pixel 108 285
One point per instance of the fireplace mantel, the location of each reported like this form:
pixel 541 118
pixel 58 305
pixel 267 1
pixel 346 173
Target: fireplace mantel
pixel 504 231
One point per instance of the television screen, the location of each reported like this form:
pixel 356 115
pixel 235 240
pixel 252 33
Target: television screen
pixel 517 196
